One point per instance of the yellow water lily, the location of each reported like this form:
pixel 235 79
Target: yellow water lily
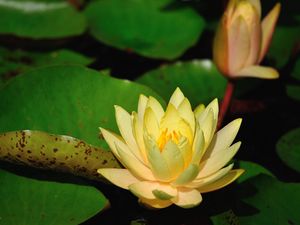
pixel 242 40
pixel 172 156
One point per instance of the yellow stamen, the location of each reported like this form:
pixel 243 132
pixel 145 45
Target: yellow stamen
pixel 165 136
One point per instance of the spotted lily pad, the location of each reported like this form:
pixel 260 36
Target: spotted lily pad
pixel 40 19
pixel 288 149
pixel 198 79
pixel 58 152
pixel 67 100
pixel 147 27
pixel 30 201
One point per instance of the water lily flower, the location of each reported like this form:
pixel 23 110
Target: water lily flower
pixel 242 40
pixel 172 156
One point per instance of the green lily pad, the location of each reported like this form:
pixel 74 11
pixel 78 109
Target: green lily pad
pixel 225 218
pixel 40 19
pixel 288 149
pixel 279 52
pixel 67 100
pixel 251 170
pixel 296 70
pixel 198 79
pixel 147 27
pixel 293 91
pixel 29 201
pixel 15 62
pixel 62 153
pixel 271 201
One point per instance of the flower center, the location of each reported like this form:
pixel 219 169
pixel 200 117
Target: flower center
pixel 165 136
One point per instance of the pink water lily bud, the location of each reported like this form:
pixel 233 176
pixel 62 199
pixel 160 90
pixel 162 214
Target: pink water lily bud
pixel 242 40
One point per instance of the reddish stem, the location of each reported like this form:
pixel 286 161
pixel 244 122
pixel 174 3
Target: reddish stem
pixel 226 102
pixel 75 3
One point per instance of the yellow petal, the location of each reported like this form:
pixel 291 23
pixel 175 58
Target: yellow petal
pixel 219 160
pixel 173 157
pixel 198 146
pixel 155 203
pixel 257 6
pixel 239 44
pixel 224 181
pixel 119 177
pixel 135 166
pixel 112 138
pixel 185 111
pixel 268 26
pixel 153 190
pixel 262 72
pixel 186 150
pixel 139 137
pixel 220 47
pixel 156 108
pixel 124 122
pixel 201 113
pixel 197 183
pixel 207 127
pixel 151 125
pixel 187 198
pixel 173 122
pixel 255 33
pixel 176 98
pixel 142 106
pixel 157 162
pixel 199 110
pixel 189 174
pixel 223 138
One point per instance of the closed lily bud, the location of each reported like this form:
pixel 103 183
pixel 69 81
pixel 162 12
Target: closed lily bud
pixel 242 40
pixel 172 156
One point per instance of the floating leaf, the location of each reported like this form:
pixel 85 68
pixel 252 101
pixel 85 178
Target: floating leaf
pixel 280 52
pixel 271 201
pixel 15 62
pixel 29 201
pixel 288 149
pixel 251 170
pixel 40 19
pixel 225 218
pixel 68 100
pixel 148 27
pixel 58 152
pixel 198 79
pixel 296 70
pixel 293 91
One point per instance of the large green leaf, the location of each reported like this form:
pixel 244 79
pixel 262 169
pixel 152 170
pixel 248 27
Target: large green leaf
pixel 27 201
pixel 15 62
pixel 148 27
pixel 288 149
pixel 251 170
pixel 58 152
pixel 40 19
pixel 68 100
pixel 199 80
pixel 283 42
pixel 270 202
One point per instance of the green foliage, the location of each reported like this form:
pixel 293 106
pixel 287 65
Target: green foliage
pixel 251 170
pixel 40 19
pixel 30 201
pixel 198 79
pixel 69 100
pixel 58 152
pixel 288 149
pixel 285 38
pixel 15 62
pixel 149 27
pixel 270 201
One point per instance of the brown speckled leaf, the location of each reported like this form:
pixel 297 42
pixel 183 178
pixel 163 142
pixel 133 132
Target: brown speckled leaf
pixel 58 152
